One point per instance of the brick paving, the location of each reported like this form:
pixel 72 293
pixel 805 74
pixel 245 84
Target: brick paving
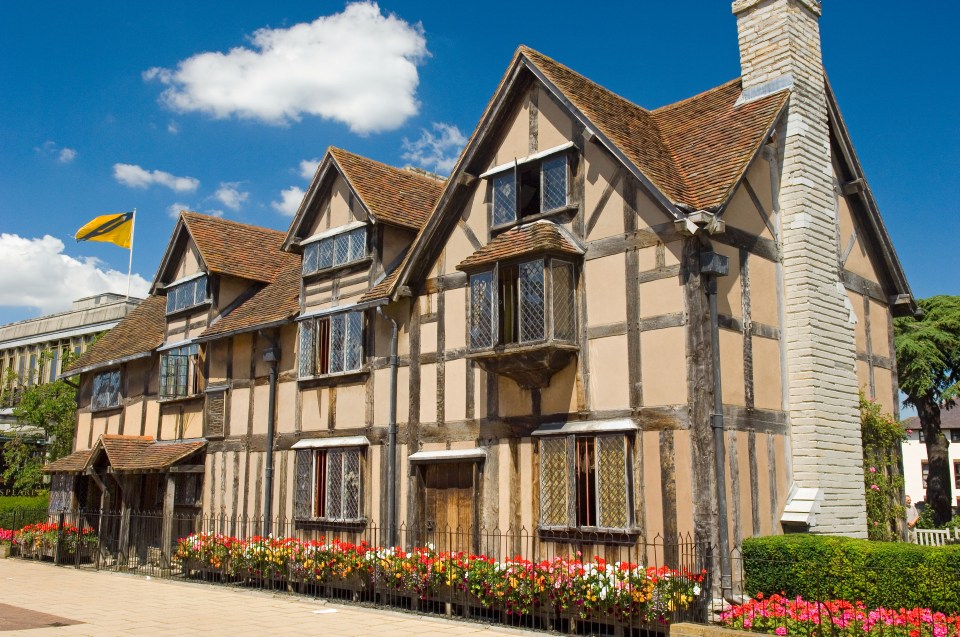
pixel 41 599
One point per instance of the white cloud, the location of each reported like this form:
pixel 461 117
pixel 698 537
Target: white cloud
pixel 172 127
pixel 36 273
pixel 137 177
pixel 52 149
pixel 230 196
pixel 308 167
pixel 289 203
pixel 358 67
pixel 173 210
pixel 437 151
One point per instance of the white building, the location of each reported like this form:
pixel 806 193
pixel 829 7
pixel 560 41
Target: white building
pixel 915 455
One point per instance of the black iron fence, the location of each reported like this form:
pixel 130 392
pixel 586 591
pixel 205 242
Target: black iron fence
pixel 594 584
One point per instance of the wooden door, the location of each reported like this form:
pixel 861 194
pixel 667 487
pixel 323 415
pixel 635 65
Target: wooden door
pixel 449 506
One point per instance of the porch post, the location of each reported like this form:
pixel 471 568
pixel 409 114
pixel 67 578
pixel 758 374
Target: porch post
pixel 167 533
pixel 125 498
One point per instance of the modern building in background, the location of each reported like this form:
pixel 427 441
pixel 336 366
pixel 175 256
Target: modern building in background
pixel 32 351
pixel 915 456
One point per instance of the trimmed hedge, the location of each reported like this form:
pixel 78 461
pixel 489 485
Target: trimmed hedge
pixel 17 511
pixel 880 574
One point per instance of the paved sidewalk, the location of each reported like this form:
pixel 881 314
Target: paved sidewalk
pixel 105 604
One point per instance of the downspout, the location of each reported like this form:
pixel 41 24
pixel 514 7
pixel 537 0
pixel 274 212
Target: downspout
pixel 391 434
pixel 271 355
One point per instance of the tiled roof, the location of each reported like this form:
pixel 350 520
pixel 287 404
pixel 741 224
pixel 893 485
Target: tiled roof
pixel 143 453
pixel 537 238
pixel 76 462
pixel 277 301
pixel 382 289
pixel 693 151
pixel 949 419
pixel 140 331
pixel 394 196
pixel 238 249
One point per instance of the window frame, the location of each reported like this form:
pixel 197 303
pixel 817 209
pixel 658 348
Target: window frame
pixel 331 239
pixel 171 294
pixel 322 483
pixel 310 332
pixel 114 397
pixel 956 475
pixel 515 173
pixel 955 437
pixel 192 376
pixel 573 485
pixel 548 301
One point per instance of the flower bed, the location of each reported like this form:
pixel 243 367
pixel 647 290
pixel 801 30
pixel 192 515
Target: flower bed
pixel 796 616
pixel 569 586
pixel 41 538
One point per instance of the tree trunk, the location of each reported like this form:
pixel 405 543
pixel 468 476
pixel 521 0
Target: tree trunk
pixel 938 466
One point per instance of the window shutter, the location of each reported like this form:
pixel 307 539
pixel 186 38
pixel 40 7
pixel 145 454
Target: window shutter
pixel 302 500
pixel 553 184
pixel 612 479
pixel 307 349
pixel 531 301
pixel 504 198
pixel 215 414
pixel 554 482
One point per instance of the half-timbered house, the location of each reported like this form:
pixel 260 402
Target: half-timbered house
pixel 608 322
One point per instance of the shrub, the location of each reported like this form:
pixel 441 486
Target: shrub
pixel 17 511
pixel 883 479
pixel 879 574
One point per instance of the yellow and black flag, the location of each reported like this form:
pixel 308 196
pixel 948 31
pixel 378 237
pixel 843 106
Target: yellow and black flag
pixel 115 228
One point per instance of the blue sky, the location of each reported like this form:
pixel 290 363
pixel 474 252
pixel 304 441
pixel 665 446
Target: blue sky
pixel 108 106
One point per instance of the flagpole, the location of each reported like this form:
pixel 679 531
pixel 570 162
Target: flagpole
pixel 133 227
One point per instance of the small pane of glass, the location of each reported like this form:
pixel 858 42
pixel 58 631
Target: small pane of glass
pixel 325 254
pixel 341 249
pixel 358 244
pixel 553 190
pixel 564 309
pixel 532 303
pixel 337 333
pixel 311 252
pixel 481 310
pixel 504 198
pixel 307 353
pixel 354 341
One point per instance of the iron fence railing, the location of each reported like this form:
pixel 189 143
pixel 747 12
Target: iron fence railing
pixel 596 584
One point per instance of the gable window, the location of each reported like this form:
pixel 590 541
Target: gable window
pixel 187 294
pixel 331 344
pixel 584 482
pixel 334 251
pixel 522 303
pixel 180 372
pixel 106 390
pixel 329 484
pixel 530 188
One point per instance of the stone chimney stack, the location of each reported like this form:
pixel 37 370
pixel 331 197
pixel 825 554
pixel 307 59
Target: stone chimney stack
pixel 780 47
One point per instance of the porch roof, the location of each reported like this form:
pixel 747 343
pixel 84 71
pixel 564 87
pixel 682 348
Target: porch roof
pixel 130 454
pixel 76 462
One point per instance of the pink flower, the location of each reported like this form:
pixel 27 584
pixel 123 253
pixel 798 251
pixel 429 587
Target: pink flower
pixel 873 469
pixel 781 630
pixel 874 487
pixel 909 432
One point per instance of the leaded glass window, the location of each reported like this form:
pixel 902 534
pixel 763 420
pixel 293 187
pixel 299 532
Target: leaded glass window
pixel 553 184
pixel 329 484
pixel 481 310
pixel 564 309
pixel 331 344
pixel 106 390
pixel 585 482
pixel 532 301
pixel 187 294
pixel 530 188
pixel 504 199
pixel 339 249
pixel 179 372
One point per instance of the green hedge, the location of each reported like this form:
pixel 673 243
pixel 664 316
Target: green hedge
pixel 888 574
pixel 18 510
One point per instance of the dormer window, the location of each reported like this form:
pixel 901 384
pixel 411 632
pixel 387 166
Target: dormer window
pixel 532 186
pixel 181 296
pixel 334 250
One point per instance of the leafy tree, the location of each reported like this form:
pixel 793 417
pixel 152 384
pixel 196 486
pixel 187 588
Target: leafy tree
pixel 928 367
pixel 45 413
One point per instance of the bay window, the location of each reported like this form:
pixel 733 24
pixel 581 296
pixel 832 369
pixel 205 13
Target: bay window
pixel 526 302
pixel 331 344
pixel 530 188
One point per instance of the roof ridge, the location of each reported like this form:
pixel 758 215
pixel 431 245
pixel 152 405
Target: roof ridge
pixel 199 216
pixel 699 95
pixel 409 173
